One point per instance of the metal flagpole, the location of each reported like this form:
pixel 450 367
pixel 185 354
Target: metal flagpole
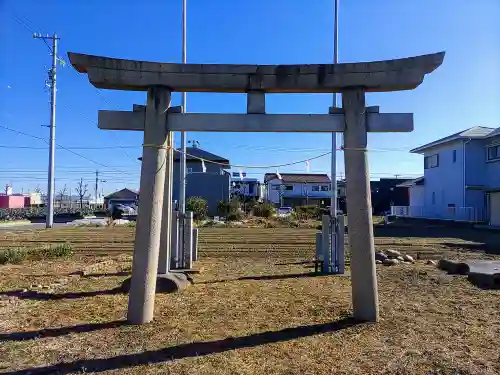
pixel 333 204
pixel 182 181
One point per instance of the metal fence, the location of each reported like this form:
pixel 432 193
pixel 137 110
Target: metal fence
pixel 470 214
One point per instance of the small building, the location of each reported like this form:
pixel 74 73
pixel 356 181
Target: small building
pixel 388 192
pixel 11 201
pixel 124 196
pixel 297 189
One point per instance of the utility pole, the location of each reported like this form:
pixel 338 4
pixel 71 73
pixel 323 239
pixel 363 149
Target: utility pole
pixel 182 177
pixel 53 90
pixel 96 185
pixel 333 204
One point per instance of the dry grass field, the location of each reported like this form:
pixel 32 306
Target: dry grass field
pixel 256 307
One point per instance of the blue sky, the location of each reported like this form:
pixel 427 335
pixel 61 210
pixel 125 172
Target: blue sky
pixel 464 92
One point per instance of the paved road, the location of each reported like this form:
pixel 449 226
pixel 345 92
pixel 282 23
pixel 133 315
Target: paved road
pixel 31 226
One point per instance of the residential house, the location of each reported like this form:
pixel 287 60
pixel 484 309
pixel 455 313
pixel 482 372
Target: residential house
pixel 461 178
pixel 213 184
pixel 297 189
pixel 246 188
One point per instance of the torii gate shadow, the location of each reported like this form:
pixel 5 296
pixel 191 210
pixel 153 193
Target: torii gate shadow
pixel 195 349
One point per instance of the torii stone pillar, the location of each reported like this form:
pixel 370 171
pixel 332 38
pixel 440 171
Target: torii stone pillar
pixel 351 79
pixel 148 228
pixel 359 208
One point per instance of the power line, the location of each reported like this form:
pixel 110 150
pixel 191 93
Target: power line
pixel 69 147
pixel 61 146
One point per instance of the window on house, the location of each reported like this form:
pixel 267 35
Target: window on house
pixel 315 188
pixel 189 170
pixel 276 187
pixel 454 156
pixel 433 197
pixel 325 188
pixel 431 161
pixel 288 187
pixel 494 152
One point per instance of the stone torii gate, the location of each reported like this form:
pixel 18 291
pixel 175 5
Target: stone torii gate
pixel 158 120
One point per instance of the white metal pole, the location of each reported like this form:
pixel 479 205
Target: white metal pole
pixel 333 203
pixel 182 181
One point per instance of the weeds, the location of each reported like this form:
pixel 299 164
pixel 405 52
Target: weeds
pixel 16 255
pixel 13 255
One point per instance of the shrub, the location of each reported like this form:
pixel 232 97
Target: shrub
pixel 28 213
pixel 198 206
pixel 307 212
pixel 222 208
pixel 234 216
pixel 264 210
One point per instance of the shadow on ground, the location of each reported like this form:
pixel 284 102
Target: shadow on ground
pixel 56 332
pixel 195 349
pixel 35 295
pixel 266 277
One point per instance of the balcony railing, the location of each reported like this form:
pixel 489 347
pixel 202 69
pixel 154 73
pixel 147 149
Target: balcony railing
pixel 469 214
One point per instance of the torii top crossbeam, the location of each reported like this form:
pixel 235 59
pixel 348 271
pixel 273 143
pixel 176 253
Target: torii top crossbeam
pixel 377 76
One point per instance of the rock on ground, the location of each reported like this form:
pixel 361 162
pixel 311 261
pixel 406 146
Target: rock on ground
pixel 392 253
pixel 378 261
pixel 380 256
pixel 391 262
pixel 408 258
pixel 431 262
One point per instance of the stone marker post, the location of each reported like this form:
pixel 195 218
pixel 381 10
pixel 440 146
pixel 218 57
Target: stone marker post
pixel 326 238
pixel 174 240
pixel 359 210
pixel 148 229
pixel 340 244
pixel 195 244
pixel 166 224
pixel 188 241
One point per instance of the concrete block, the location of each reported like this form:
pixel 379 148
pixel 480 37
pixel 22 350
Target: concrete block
pixel 165 283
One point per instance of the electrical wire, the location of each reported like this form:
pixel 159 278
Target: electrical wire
pixel 60 146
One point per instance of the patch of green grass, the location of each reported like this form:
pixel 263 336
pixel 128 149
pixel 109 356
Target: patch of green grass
pixel 13 255
pixel 53 251
pixel 16 255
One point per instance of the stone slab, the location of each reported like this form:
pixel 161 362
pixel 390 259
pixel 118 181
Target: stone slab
pixel 165 283
pixel 375 76
pixel 482 273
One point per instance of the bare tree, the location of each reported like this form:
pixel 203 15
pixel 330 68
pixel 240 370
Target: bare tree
pixel 81 190
pixel 38 189
pixel 61 194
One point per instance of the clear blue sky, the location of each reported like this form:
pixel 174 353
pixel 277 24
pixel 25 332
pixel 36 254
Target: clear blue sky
pixel 462 93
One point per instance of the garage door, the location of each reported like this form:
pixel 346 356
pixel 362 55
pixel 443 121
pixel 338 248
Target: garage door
pixel 495 209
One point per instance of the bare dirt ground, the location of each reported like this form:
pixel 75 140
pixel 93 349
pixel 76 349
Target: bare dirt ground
pixel 255 308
